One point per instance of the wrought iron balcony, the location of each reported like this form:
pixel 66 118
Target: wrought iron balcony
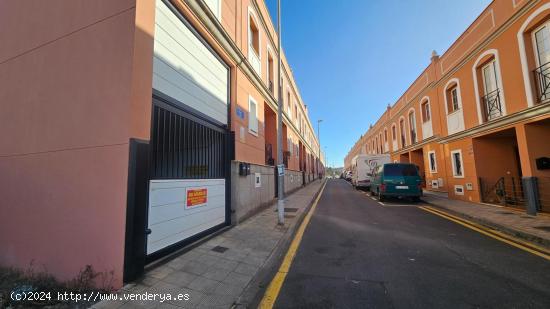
pixel 492 107
pixel 542 81
pixel 271 86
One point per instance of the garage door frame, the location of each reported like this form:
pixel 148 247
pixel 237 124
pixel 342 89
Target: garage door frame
pixel 139 171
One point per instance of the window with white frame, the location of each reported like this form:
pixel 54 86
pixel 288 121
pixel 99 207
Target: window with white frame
pixel 425 106
pixel 254 51
pixel 432 162
pixel 288 107
pixel 453 103
pixel 412 127
pixel 458 166
pixel 252 116
pixel 402 131
pixel 541 43
pixel 270 72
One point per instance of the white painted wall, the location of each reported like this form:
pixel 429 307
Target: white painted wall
pixel 185 69
pixel 427 131
pixel 171 221
pixel 455 122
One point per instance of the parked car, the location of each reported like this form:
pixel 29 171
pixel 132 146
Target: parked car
pixel 349 175
pixel 363 166
pixel 397 180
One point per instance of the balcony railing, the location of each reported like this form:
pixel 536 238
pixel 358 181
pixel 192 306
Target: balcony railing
pixel 492 108
pixel 271 86
pixel 542 80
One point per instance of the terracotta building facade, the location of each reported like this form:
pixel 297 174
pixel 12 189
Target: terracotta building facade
pixel 135 127
pixel 477 119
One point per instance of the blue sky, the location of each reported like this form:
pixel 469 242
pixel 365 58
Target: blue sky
pixel 351 58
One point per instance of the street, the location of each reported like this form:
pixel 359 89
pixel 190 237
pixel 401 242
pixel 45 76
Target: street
pixel 357 253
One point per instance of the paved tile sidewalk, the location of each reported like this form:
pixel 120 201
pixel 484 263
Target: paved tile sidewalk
pixel 217 279
pixel 534 228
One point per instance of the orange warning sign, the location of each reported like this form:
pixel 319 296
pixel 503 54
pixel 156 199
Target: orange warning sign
pixel 196 197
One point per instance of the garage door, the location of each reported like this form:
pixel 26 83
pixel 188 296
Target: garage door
pixel 187 189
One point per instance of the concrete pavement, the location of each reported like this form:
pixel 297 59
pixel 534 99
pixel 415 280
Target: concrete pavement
pixel 357 253
pixel 227 270
pixel 506 219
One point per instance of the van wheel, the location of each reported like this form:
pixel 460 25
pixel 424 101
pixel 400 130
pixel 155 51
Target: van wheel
pixel 381 197
pixel 416 199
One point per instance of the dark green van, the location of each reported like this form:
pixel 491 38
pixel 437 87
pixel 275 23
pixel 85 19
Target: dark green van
pixel 397 180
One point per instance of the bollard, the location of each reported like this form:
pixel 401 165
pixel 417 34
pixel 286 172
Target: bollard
pixel 530 188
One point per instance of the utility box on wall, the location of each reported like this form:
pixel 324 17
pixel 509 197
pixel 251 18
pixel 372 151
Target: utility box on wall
pixel 244 169
pixel 543 163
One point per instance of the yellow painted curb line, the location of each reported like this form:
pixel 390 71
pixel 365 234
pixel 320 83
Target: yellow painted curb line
pixel 274 287
pixel 520 244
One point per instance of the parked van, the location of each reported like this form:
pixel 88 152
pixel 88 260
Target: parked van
pixel 398 180
pixel 364 165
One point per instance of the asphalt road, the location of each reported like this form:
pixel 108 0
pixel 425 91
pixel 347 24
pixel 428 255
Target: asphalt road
pixel 356 253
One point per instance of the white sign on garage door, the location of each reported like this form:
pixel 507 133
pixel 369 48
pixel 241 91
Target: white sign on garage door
pixel 181 208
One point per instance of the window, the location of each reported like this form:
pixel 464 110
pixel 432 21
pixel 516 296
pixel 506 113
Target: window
pixel 541 38
pixel 270 73
pixel 432 162
pixel 541 42
pixel 425 107
pixel 393 133
pixel 386 135
pixel 254 51
pixel 452 97
pixel 254 36
pixel 412 127
pixel 252 116
pixel 288 108
pixel 456 160
pixel 400 170
pixel 402 131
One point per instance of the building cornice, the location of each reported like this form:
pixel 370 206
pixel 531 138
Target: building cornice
pixel 216 30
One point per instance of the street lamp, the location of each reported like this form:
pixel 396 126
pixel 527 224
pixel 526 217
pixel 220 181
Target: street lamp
pixel 280 162
pixel 319 143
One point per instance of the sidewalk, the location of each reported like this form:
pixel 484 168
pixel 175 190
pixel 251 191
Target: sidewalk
pixel 505 219
pixel 217 273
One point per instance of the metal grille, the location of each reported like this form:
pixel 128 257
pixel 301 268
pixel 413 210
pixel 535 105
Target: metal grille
pixel 542 78
pixel 506 191
pixel 185 149
pixel 491 105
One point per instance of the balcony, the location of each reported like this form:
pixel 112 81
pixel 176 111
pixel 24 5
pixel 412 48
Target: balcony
pixel 254 60
pixel 492 107
pixel 542 82
pixel 271 87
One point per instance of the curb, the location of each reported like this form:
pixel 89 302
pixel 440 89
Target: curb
pixel 499 227
pixel 253 293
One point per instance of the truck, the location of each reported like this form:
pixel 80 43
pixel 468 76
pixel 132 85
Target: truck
pixel 363 166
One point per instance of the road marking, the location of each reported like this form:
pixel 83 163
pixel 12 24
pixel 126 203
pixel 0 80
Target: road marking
pixel 381 203
pixel 276 284
pixel 518 243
